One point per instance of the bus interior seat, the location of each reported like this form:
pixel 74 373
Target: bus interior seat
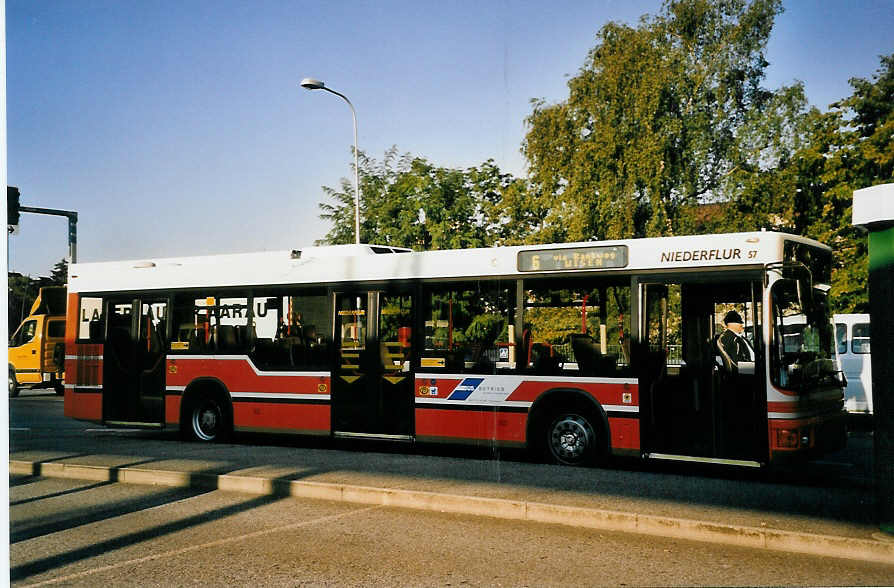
pixel 454 359
pixel 590 359
pixel 246 336
pixel 727 363
pixel 586 353
pixel 95 329
pixel 225 336
pixel 479 356
pixel 527 342
pixel 546 363
pixel 186 332
pixel 156 338
pixel 269 353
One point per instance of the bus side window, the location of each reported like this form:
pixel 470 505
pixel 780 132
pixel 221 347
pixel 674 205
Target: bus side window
pixel 233 335
pixel 467 328
pixel 575 325
pixel 91 327
pixel 290 330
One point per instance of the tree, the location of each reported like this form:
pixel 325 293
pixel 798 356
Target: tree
pixel 407 201
pixel 59 275
pixel 655 123
pixel 851 147
pixel 22 291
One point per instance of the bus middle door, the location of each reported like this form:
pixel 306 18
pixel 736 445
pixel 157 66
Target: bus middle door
pixel 675 374
pixel 372 385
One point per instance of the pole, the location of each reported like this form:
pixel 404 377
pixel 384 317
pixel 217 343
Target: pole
pixel 356 166
pixel 72 226
pixel 73 238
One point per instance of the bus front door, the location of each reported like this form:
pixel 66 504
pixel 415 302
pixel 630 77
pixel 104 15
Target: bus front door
pixel 372 382
pixel 134 362
pixel 692 406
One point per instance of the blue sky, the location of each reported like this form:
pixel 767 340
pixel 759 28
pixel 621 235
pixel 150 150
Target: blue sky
pixel 178 128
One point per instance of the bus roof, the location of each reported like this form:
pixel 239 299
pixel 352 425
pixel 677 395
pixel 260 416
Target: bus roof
pixel 363 263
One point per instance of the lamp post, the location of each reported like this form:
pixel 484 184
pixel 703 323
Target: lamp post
pixel 312 84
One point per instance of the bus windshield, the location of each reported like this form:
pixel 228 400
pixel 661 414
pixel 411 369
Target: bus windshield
pixel 803 338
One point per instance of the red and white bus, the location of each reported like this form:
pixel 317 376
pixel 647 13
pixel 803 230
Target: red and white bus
pixel 576 351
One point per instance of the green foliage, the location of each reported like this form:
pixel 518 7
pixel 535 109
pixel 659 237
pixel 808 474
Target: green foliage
pixel 408 202
pixel 22 291
pixel 555 325
pixel 653 122
pixel 59 275
pixel 485 328
pixel 852 147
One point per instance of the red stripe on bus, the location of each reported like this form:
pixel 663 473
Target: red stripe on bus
pixel 262 415
pixel 238 376
pixel 624 433
pixel 605 393
pixel 831 405
pixel 471 424
pixel 784 407
pixel 172 409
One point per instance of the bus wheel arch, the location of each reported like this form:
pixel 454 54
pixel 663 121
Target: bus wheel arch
pixel 569 426
pixel 206 411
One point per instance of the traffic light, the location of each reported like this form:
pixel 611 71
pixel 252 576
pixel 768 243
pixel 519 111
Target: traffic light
pixel 12 205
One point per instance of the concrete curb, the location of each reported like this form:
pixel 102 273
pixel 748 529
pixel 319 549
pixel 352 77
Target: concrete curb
pixel 741 536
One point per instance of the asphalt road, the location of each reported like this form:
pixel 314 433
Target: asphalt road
pixel 88 534
pixel 835 490
pixel 60 528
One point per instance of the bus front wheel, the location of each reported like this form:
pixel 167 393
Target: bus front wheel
pixel 572 438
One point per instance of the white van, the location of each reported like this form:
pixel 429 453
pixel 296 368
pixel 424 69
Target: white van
pixel 852 338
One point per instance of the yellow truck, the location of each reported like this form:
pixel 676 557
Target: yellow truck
pixel 37 348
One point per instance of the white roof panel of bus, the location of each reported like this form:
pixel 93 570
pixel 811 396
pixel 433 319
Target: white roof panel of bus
pixel 358 263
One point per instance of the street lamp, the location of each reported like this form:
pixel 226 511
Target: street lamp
pixel 312 84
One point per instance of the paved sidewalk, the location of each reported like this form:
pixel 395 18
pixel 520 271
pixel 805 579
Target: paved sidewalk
pixel 834 522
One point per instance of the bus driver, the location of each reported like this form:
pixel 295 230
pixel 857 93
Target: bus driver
pixel 731 344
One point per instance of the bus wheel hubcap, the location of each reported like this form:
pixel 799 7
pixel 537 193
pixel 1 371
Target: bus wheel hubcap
pixel 205 420
pixel 570 437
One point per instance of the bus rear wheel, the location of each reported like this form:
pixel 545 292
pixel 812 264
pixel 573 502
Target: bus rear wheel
pixel 206 419
pixel 572 439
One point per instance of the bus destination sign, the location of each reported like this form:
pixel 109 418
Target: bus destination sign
pixel 575 258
